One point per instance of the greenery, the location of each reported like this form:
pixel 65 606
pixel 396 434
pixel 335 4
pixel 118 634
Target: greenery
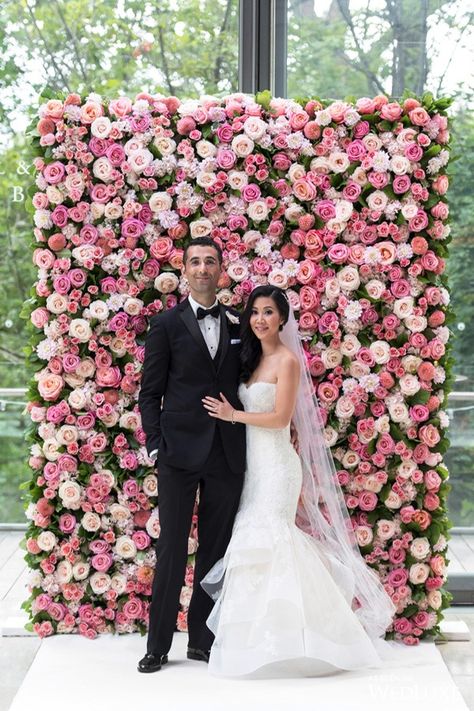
pixel 189 48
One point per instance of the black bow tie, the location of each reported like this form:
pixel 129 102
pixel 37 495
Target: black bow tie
pixel 213 311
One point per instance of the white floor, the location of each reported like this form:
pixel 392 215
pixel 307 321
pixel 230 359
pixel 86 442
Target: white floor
pixel 72 673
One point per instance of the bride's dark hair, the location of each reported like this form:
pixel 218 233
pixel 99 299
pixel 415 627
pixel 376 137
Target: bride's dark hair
pixel 251 350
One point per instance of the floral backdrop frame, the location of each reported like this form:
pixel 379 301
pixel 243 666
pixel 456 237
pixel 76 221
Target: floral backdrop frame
pixel 341 203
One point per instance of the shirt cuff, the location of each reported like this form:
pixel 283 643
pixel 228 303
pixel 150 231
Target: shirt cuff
pixel 153 454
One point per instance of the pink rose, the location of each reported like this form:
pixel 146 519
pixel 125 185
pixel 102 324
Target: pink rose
pixel 367 500
pixel 53 173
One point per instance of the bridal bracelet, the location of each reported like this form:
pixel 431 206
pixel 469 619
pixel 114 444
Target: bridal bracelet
pixel 232 417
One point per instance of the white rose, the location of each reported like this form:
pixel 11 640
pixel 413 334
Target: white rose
pixel 130 421
pixel 113 211
pixel 80 570
pixel 344 407
pixel 375 288
pixel 332 288
pixel 51 449
pixel 255 128
pixel 258 210
pixel 399 165
pixel 320 165
pixel 350 345
pixel 225 297
pixel 403 307
pixel 54 194
pixel 385 529
pixel 409 209
pixel 409 384
pixel 364 535
pixel 63 572
pixel 133 306
pixel 331 358
pixel 165 145
pixel 377 200
pixel 237 271
pixel 125 547
pixel 295 172
pixel 420 548
pixel 77 399
pixel 102 169
pixel 57 303
pixel 101 127
pixel 277 277
pixel 100 582
pixel 372 142
pixel 150 485
pixel 381 351
pixel 330 436
pixel 205 179
pixel 46 540
pixel 372 484
pixel 350 459
pixel 80 328
pixel 166 282
pixel 411 363
pixel 419 573
pixel 139 160
pixel 242 145
pixel 90 521
pixel 153 526
pixel 344 210
pixel 348 278
pixel 382 424
pixel 393 501
pixel 205 149
pixel 237 179
pixel 97 210
pixel 294 212
pixel 70 494
pixel 398 412
pixel 67 434
pixel 416 324
pixel 357 370
pixel 160 202
pixel 200 228
pixel 338 161
pixel 406 468
pixel 73 380
pixel 336 226
pixel 119 512
pixel 118 583
pixel 99 310
pixel 117 345
pixel 434 599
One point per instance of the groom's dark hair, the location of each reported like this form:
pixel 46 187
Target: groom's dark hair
pixel 203 242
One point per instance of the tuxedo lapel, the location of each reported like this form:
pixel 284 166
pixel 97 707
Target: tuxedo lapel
pixel 224 337
pixel 190 321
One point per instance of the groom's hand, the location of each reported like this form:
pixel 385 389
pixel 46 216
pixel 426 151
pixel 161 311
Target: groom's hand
pixel 221 409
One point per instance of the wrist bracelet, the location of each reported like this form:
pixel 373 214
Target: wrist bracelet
pixel 232 417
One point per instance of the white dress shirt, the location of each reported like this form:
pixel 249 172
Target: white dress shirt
pixel 210 329
pixel 210 326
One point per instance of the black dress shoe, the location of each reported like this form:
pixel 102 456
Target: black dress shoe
pixel 199 655
pixel 152 662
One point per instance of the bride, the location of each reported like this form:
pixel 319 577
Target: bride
pixel 292 591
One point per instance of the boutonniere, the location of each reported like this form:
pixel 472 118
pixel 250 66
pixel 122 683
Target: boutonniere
pixel 232 318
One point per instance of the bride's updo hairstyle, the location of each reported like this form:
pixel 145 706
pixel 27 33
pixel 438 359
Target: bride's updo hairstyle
pixel 251 347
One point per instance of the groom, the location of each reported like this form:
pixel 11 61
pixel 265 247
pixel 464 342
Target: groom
pixel 191 351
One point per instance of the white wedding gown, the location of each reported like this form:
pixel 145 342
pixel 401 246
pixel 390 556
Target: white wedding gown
pixel 281 605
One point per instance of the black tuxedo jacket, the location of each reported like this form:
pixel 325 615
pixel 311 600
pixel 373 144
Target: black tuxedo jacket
pixel 178 372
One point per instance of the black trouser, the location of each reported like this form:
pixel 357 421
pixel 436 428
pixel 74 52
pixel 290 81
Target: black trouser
pixel 219 497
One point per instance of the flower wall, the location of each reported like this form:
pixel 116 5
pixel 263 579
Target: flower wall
pixel 343 205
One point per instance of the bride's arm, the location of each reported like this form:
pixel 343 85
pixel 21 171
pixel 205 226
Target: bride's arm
pixel 285 399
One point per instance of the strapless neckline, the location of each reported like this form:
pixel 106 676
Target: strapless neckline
pixel 257 382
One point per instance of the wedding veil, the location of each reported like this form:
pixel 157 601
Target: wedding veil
pixel 322 511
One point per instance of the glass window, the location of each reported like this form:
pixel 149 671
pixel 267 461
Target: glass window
pixel 353 48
